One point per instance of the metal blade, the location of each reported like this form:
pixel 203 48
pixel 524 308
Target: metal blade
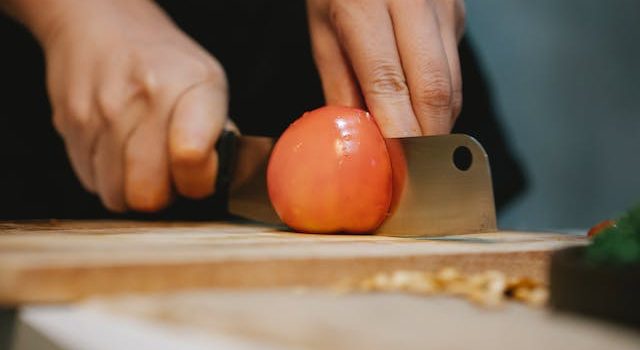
pixel 248 194
pixel 438 198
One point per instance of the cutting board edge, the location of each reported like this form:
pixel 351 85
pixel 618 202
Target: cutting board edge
pixel 46 285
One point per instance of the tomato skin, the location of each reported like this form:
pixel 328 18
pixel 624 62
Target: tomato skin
pixel 601 226
pixel 330 172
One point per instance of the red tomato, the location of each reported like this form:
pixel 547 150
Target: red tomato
pixel 595 230
pixel 330 172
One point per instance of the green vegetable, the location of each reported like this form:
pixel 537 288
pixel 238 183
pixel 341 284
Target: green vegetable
pixel 618 244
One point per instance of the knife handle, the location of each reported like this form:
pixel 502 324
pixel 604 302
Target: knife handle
pixel 226 149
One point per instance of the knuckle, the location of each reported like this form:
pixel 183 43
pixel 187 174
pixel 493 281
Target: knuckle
pixel 335 9
pixel 77 111
pixel 436 94
pixel 200 68
pixel 387 80
pixel 335 15
pixel 109 107
pixel 158 85
pixel 340 12
pixel 213 68
pixel 213 73
pixel 149 81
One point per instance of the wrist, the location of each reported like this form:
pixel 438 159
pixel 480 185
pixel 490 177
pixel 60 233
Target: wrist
pixel 42 17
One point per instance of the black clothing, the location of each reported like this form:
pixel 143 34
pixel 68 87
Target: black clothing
pixel 265 50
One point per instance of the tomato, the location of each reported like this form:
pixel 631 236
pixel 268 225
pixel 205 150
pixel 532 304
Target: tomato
pixel 330 172
pixel 600 227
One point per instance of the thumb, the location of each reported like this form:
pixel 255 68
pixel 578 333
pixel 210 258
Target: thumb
pixel 196 123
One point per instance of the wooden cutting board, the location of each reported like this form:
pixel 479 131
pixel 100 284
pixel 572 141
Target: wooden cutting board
pixel 316 320
pixel 61 261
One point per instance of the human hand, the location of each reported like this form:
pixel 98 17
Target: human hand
pixel 138 103
pixel 400 56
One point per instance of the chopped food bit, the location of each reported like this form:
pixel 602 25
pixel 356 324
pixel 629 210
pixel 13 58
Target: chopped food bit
pixel 447 275
pixel 537 296
pixel 488 288
pixel 617 244
pixel 601 226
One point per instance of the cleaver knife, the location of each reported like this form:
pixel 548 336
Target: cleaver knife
pixel 447 184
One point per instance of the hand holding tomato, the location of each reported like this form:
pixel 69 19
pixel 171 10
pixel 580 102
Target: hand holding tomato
pixel 400 55
pixel 330 172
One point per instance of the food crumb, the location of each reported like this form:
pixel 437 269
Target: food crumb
pixel 488 289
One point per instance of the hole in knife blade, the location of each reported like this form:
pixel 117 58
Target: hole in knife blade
pixel 462 158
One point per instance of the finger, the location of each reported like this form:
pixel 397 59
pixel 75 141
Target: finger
pixel 368 38
pixel 74 117
pixel 196 123
pixel 147 183
pixel 338 79
pixel 108 158
pixel 79 127
pixel 121 105
pixel 425 64
pixel 80 159
pixel 451 20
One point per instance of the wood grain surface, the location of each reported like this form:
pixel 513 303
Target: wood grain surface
pixel 61 261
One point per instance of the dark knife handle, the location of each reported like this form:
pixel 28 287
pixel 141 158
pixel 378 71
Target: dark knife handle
pixel 226 149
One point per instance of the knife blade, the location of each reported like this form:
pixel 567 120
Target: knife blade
pixel 446 187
